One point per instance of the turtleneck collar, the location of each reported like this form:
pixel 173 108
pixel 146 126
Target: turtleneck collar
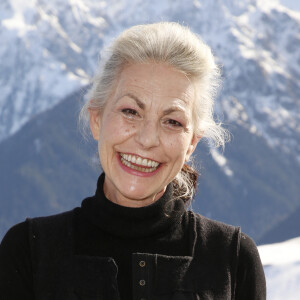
pixel 129 222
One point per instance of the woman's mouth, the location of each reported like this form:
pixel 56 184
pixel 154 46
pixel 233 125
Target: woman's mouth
pixel 138 163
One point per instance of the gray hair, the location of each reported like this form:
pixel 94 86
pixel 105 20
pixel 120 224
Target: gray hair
pixel 177 46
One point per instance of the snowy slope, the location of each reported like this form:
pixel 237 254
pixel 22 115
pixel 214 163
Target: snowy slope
pixel 50 48
pixel 282 268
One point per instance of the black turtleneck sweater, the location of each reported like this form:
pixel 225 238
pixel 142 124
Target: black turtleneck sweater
pixel 103 228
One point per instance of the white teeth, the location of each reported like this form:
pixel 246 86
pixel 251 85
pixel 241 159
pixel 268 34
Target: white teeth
pixel 128 164
pixel 139 161
pixel 151 165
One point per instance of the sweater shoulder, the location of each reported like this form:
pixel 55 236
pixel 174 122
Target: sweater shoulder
pixel 15 264
pixel 50 229
pixel 53 232
pixel 15 243
pixel 214 239
pixel 16 233
pixel 52 219
pixel 209 228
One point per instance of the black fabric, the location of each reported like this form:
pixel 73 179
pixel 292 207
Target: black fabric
pixel 111 230
pixel 132 223
pixel 164 230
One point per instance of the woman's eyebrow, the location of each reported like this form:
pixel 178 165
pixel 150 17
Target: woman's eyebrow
pixel 135 98
pixel 173 109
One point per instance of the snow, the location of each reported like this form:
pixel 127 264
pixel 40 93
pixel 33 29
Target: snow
pixel 222 162
pixel 18 23
pixel 54 22
pixel 281 253
pixel 282 269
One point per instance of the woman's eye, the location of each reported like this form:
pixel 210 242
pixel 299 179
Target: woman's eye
pixel 129 112
pixel 174 123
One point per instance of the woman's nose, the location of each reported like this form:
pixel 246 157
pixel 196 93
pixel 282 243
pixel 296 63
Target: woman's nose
pixel 147 135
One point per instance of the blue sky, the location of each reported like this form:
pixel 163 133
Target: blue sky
pixel 293 4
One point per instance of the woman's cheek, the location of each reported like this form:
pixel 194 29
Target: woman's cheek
pixel 119 127
pixel 175 139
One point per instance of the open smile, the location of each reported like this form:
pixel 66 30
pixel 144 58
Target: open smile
pixel 138 163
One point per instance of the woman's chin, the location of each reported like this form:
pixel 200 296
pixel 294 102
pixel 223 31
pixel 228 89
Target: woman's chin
pixel 135 198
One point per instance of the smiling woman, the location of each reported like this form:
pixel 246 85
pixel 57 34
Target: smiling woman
pixel 149 105
pixel 147 115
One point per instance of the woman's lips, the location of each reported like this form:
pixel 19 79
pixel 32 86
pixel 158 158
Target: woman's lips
pixel 136 165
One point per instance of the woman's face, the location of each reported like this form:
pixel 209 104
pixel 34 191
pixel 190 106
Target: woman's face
pixel 145 132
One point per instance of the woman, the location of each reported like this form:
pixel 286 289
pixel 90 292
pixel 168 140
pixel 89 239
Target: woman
pixel 150 105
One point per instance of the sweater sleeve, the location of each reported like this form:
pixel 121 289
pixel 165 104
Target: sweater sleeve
pixel 15 265
pixel 251 282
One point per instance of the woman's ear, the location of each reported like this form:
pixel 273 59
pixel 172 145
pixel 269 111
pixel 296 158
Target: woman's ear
pixel 194 142
pixel 95 119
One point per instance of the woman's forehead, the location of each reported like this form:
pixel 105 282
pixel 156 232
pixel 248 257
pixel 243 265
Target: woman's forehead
pixel 154 80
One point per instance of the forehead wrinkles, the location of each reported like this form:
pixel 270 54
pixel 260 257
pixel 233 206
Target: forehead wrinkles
pixel 154 80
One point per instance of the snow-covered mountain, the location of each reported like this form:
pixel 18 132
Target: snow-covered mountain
pixel 50 48
pixel 282 268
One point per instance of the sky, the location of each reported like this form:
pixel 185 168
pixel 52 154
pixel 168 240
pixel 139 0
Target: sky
pixel 292 4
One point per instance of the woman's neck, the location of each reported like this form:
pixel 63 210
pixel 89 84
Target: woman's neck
pixel 115 196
